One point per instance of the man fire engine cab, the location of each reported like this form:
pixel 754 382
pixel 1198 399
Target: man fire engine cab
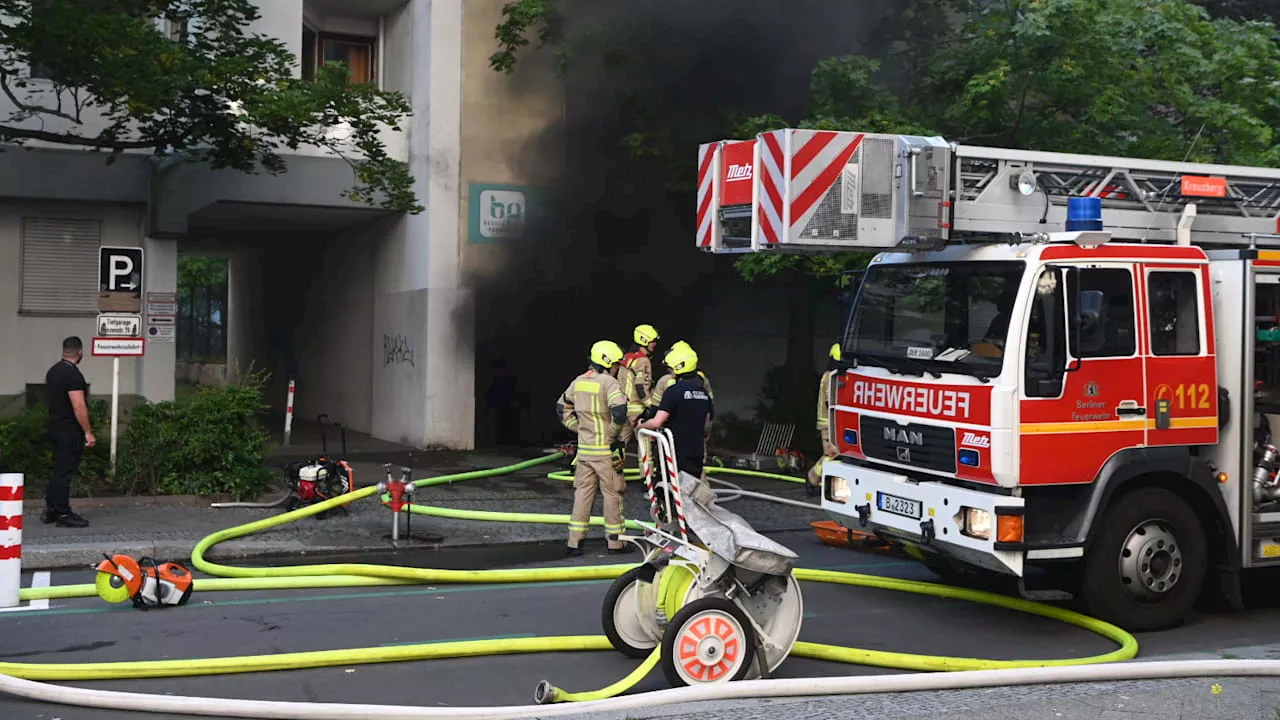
pixel 1049 370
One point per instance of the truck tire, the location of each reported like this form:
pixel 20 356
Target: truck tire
pixel 1146 566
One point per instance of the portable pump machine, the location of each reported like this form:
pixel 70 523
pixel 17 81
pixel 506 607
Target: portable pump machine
pixel 321 479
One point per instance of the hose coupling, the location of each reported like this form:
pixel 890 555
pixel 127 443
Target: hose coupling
pixel 546 693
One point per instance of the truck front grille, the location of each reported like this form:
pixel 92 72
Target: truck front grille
pixel 929 447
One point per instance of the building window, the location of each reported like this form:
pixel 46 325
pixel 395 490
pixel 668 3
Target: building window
pixel 59 273
pixel 176 29
pixel 356 53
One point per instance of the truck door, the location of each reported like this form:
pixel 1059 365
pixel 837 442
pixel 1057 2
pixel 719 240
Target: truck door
pixel 1073 422
pixel 1182 385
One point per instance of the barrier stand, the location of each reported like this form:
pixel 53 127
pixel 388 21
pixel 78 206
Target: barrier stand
pixel 10 538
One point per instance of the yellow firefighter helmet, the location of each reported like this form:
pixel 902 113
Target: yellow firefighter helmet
pixel 606 354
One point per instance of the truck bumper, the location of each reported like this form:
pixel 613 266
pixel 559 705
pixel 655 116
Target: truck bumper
pixel 933 516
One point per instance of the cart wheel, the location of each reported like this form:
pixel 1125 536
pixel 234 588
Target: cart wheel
pixel 621 617
pixel 708 641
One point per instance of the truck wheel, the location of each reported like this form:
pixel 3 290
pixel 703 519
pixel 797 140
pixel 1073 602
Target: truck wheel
pixel 1145 569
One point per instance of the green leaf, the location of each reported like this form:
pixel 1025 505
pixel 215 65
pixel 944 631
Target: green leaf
pixel 110 66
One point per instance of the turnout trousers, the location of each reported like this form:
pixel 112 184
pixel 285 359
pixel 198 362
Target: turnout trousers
pixel 829 452
pixel 594 472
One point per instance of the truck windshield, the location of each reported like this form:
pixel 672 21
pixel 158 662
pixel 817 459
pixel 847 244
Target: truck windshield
pixel 935 317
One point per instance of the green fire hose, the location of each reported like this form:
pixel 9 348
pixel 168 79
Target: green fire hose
pixel 232 578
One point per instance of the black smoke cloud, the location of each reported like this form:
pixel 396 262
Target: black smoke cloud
pixel 618 248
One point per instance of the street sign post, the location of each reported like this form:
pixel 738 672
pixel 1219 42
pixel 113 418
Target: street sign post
pixel 120 279
pixel 115 348
pixel 119 293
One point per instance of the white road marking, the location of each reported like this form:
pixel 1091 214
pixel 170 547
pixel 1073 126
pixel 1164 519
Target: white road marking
pixel 40 580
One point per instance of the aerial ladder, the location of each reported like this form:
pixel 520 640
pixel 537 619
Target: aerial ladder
pixel 815 191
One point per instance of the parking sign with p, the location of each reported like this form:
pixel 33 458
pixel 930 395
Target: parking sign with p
pixel 120 279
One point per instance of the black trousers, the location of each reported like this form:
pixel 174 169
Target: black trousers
pixel 690 464
pixel 68 449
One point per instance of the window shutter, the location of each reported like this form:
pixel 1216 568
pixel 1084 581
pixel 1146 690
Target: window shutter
pixel 60 266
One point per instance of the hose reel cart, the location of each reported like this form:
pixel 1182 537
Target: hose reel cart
pixel 720 598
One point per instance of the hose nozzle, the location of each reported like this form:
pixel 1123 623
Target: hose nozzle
pixel 546 693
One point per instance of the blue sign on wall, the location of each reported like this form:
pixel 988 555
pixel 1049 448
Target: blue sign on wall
pixel 497 212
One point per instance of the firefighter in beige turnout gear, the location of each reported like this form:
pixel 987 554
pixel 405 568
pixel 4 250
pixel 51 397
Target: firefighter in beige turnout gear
pixel 636 375
pixel 829 451
pixel 595 407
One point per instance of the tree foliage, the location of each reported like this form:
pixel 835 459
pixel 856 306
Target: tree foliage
pixel 1145 78
pixel 112 78
pixel 522 18
pixel 1160 79
pixel 196 272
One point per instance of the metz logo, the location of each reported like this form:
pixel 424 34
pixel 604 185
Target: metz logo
pixel 738 172
pixel 976 440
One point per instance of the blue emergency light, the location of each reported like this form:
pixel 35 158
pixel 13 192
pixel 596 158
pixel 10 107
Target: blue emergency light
pixel 1084 213
pixel 969 457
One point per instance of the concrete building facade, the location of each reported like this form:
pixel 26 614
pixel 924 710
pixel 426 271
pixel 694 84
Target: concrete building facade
pixel 370 312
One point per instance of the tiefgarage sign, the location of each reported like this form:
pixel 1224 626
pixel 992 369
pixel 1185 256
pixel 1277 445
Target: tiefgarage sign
pixel 120 326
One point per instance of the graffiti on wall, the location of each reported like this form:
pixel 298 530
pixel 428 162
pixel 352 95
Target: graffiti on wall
pixel 396 350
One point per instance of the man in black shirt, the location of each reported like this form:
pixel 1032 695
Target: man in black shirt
pixel 69 430
pixel 686 408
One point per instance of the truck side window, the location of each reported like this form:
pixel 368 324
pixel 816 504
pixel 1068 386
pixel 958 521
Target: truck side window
pixel 1101 310
pixel 1046 344
pixel 1173 300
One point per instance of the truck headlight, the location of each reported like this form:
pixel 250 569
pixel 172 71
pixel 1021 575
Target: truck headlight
pixel 838 489
pixel 977 523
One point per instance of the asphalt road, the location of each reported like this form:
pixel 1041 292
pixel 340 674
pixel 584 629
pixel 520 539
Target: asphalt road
pixel 231 624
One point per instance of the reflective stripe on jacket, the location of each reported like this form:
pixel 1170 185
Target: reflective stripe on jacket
pixel 587 407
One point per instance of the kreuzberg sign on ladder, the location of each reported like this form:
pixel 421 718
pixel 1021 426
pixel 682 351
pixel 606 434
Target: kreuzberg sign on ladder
pixel 119 326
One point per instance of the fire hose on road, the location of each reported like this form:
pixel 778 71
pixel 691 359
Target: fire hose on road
pixel 18 678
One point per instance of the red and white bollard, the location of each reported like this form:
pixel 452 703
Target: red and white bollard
pixel 288 415
pixel 10 538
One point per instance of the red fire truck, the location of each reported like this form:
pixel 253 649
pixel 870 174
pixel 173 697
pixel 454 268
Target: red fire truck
pixel 1061 369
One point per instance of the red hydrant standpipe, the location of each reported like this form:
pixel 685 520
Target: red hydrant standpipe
pixel 401 491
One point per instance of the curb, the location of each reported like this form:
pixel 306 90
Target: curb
pixel 72 556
